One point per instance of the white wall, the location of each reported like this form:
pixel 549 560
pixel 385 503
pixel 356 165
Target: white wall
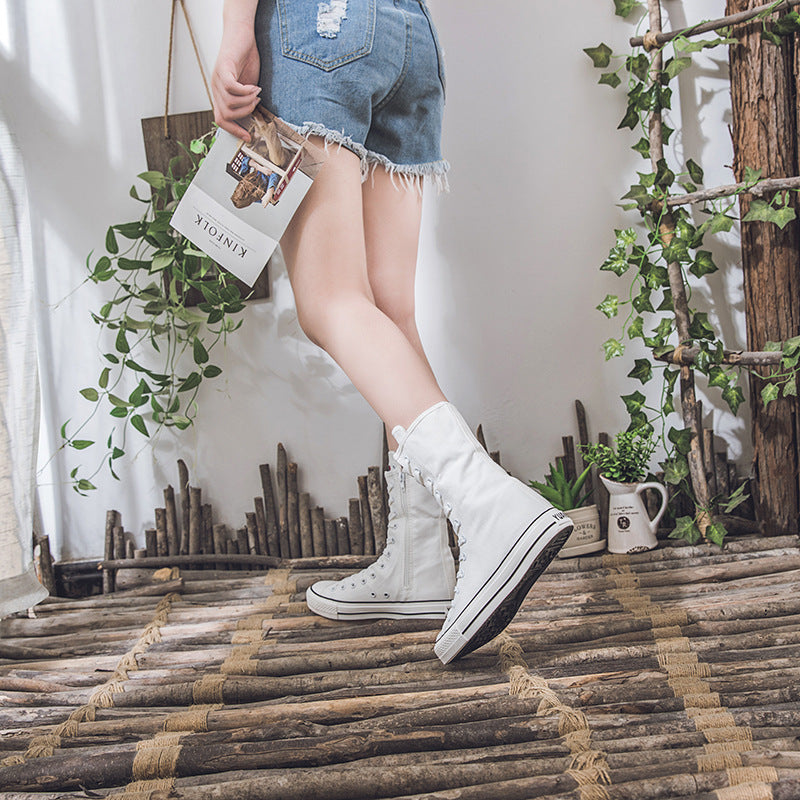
pixel 507 278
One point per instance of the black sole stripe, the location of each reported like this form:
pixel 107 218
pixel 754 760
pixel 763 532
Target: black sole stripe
pixel 507 555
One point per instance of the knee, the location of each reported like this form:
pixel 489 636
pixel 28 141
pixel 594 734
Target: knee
pixel 402 315
pixel 321 317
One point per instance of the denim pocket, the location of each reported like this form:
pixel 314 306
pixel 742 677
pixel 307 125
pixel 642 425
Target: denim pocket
pixel 439 55
pixel 323 35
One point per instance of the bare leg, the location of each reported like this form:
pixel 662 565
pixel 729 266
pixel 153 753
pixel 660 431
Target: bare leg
pixel 326 256
pixel 391 232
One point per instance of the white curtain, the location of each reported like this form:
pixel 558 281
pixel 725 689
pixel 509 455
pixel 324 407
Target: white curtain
pixel 19 391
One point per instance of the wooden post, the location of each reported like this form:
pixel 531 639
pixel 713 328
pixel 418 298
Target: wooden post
pixel 161 531
pixel 366 516
pixel 283 518
pixel 376 507
pixel 252 532
pixel 318 531
pixel 108 575
pixel 195 523
pixel 384 470
pixel 354 527
pixel 261 525
pixel 273 545
pixel 293 514
pixel 151 542
pixel 208 528
pixel 219 543
pixel 46 564
pixel 330 538
pixel 568 443
pixel 764 84
pixel 342 535
pixel 173 535
pixel 241 544
pixel 602 492
pixel 183 488
pixel 708 460
pixel 679 299
pixel 304 512
pixel 583 438
pixel 128 546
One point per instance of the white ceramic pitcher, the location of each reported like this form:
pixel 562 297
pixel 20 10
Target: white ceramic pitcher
pixel 630 528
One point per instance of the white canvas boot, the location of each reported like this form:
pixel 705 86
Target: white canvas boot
pixel 414 576
pixel 507 532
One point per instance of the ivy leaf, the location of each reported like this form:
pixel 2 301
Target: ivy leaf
pixel 685 528
pixel 622 8
pixel 609 306
pixel 718 377
pixel 610 79
pixel 666 303
pixel 634 402
pixel 638 66
pixel 681 438
pixel 642 301
pixel 790 388
pixel 761 211
pixel 613 348
pixel 675 471
pixel 642 370
pixel 636 329
pixel 733 396
pixel 85 485
pixel 751 175
pixel 675 66
pixel 736 499
pixel 715 533
pixel 695 172
pixel 90 394
pixel 630 120
pixel 769 392
pixel 642 147
pixel 639 194
pixel 664 175
pixel 600 55
pixel 700 328
pixel 703 264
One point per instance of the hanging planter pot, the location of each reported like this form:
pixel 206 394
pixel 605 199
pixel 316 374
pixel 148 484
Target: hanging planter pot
pixel 587 537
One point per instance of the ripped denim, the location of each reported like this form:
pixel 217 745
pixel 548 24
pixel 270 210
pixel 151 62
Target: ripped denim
pixel 367 75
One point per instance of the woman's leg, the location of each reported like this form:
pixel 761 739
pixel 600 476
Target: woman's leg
pixel 326 256
pixel 391 233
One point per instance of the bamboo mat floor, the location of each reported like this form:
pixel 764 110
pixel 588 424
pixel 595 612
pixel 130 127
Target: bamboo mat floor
pixel 669 674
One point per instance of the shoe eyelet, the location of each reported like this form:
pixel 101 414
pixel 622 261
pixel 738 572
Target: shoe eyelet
pixel 386 594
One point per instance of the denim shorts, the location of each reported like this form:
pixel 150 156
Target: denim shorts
pixel 367 75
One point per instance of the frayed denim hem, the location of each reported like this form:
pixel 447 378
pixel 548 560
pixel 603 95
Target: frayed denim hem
pixel 411 176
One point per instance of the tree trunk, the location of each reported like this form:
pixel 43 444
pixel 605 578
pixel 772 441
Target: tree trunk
pixel 765 137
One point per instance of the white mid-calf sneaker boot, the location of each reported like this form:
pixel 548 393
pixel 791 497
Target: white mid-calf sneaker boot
pixel 507 532
pixel 414 576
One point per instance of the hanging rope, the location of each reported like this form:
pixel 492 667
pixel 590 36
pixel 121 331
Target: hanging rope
pixel 169 61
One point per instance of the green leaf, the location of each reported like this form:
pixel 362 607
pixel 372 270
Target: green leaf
pixel 609 306
pixel 634 401
pixel 715 533
pixel 181 422
pixel 81 444
pixel 622 8
pixel 199 351
pixel 718 377
pixel 699 327
pixel 119 412
pixel 90 394
pixel 636 328
pixel 769 392
pixel 610 79
pixel 111 357
pixel 664 175
pixel 600 55
pixel 85 485
pixel 118 453
pixel 161 261
pixel 191 382
pixel 761 211
pixel 685 528
pixel 681 438
pixel 138 423
pixel 211 371
pixel 703 264
pixel 695 172
pixel 736 499
pixel 155 179
pixel 751 175
pixel 130 230
pixel 733 396
pixel 111 242
pixel 630 120
pixel 642 370
pixel 675 66
pixel 639 66
pixel 675 471
pixel 613 348
pixel 790 387
pixel 642 147
pixel 122 343
pixel 642 301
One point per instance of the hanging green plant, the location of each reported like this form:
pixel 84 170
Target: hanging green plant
pixel 669 235
pixel 160 343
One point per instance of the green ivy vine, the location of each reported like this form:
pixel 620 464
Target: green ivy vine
pixel 642 254
pixel 160 343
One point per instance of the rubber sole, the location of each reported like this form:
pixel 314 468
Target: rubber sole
pixel 499 600
pixel 343 609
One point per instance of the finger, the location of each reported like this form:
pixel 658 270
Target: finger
pixel 246 105
pixel 231 127
pixel 232 86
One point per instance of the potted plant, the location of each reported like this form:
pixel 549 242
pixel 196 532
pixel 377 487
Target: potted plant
pixel 565 494
pixel 622 472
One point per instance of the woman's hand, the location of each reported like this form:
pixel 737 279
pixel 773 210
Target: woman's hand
pixel 234 82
